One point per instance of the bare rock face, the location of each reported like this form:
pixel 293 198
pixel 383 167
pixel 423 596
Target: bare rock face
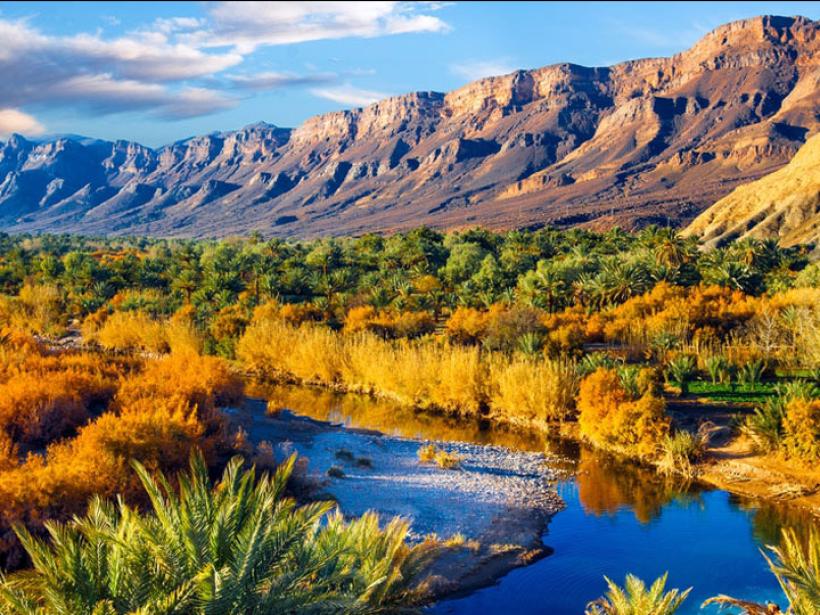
pixel 648 141
pixel 784 205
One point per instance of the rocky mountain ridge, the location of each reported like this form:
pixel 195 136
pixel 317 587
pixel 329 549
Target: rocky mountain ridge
pixel 653 140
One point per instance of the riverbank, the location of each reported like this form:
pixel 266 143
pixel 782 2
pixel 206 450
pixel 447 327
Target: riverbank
pixel 728 461
pixel 493 508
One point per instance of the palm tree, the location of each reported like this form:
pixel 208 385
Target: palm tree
pixel 236 547
pixel 796 565
pixel 635 599
pixel 681 370
pixel 620 280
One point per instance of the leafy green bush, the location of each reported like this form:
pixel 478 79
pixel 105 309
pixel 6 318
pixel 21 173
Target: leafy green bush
pixel 681 370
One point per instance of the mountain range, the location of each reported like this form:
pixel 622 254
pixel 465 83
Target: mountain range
pixel 646 141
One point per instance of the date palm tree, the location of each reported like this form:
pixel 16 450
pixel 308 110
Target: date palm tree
pixel 234 548
pixel 796 564
pixel 636 599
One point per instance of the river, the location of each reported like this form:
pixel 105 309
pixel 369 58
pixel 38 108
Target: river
pixel 618 518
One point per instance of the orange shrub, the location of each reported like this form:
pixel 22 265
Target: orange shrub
pixel 158 416
pixel 359 318
pixel 610 419
pixel 203 382
pixel 389 325
pixel 34 411
pixel 229 322
pixel 297 313
pixel 467 325
pixel 129 331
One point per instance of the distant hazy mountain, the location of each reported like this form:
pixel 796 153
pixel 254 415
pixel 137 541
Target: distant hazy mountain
pixel 650 140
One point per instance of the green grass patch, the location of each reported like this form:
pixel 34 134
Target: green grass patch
pixel 732 394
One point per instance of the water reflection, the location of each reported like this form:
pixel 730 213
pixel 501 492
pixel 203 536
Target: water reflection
pixel 365 412
pixel 769 519
pixel 607 486
pixel 603 486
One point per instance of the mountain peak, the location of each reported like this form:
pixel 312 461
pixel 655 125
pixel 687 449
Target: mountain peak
pixel 645 141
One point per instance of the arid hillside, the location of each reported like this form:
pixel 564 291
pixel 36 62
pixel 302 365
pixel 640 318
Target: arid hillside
pixel 784 205
pixel 646 141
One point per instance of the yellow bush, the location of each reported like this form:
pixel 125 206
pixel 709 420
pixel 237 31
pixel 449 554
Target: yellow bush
pixel 38 308
pixel 801 429
pixel 229 322
pixel 182 336
pixel 534 390
pixel 199 381
pixel 131 331
pixel 358 318
pixel 298 313
pixel 310 353
pixel 608 418
pixel 388 325
pixel 35 411
pixel 467 325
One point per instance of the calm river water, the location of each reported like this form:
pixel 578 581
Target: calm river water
pixel 619 518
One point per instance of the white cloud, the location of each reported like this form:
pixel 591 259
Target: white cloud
pixel 177 66
pixel 14 120
pixel 142 71
pixel 273 80
pixel 247 25
pixel 347 94
pixel 478 69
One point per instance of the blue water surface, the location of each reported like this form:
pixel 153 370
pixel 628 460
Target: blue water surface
pixel 704 541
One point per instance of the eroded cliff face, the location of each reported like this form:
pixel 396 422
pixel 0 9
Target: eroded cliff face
pixel 653 140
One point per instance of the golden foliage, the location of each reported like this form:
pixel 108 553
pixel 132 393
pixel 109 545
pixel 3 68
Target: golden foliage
pixel 801 429
pixel 534 390
pixel 389 325
pixel 467 325
pixel 133 330
pixel 38 308
pixel 34 411
pixel 158 415
pixel 609 418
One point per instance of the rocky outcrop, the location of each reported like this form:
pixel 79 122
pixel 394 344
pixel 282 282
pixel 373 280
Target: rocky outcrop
pixel 784 205
pixel 653 140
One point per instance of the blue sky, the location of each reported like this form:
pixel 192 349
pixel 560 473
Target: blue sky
pixel 162 71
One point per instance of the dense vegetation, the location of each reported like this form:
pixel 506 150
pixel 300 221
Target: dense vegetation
pixel 233 548
pixel 594 333
pixel 471 323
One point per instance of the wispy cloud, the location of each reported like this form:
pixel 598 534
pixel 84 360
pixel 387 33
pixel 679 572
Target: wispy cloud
pixel 348 94
pixel 247 25
pixel 14 120
pixel 177 66
pixel 272 80
pixel 477 69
